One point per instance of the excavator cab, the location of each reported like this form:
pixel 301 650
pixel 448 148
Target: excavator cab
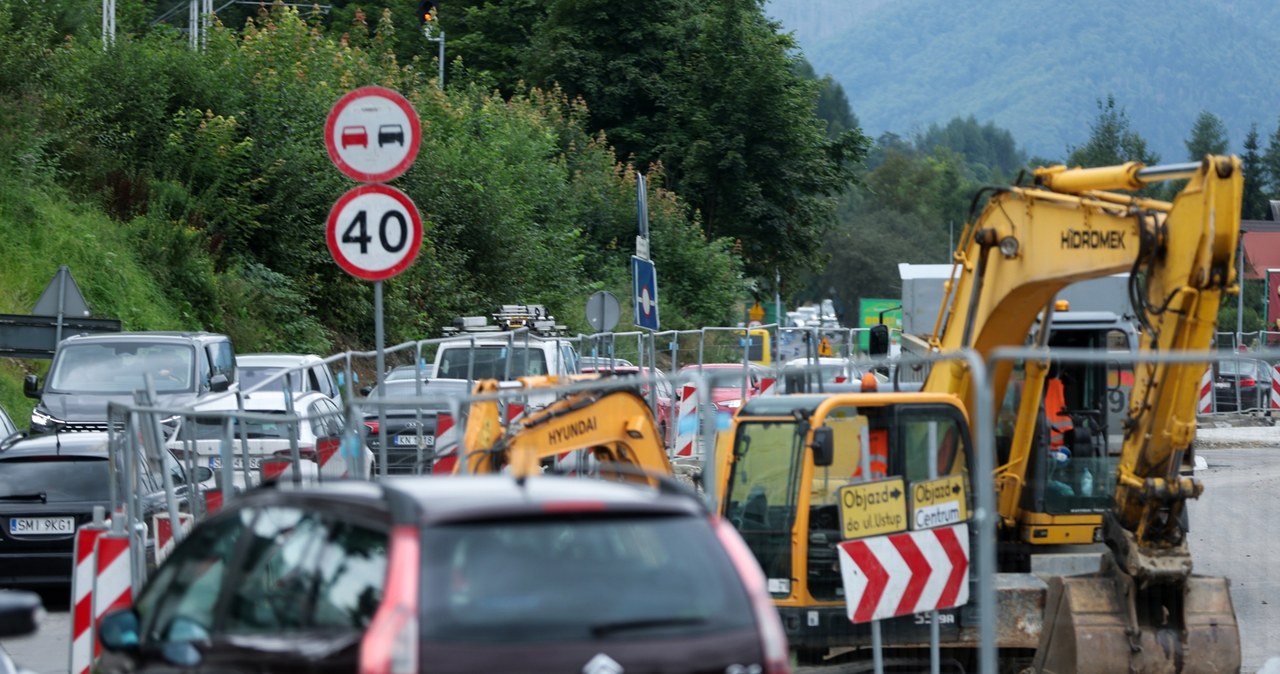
pixel 1075 447
pixel 780 469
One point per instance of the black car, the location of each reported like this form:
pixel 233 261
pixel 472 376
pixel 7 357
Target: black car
pixel 455 574
pixel 1242 384
pixel 49 486
pixel 410 427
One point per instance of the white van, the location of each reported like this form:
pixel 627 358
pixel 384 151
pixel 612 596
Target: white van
pixel 502 359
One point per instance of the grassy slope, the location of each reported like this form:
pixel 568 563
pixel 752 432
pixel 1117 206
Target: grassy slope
pixel 41 229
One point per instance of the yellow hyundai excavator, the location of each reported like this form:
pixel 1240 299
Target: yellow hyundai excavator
pixel 614 424
pixel 784 467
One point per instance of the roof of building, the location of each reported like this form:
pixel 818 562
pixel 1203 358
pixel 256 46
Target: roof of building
pixel 1261 252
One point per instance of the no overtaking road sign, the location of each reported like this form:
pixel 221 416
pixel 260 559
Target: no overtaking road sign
pixel 372 134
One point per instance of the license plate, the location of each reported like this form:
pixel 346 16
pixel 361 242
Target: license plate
pixel 1222 385
pixel 215 464
pixel 42 526
pixel 412 440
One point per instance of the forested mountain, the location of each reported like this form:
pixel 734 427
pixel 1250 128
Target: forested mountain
pixel 1038 69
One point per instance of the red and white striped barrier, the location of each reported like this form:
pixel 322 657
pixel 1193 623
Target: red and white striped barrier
pixel 332 463
pixel 446 445
pixel 83 633
pixel 212 502
pixel 1275 387
pixel 687 421
pixel 164 533
pixel 112 580
pixel 1206 404
pixel 767 387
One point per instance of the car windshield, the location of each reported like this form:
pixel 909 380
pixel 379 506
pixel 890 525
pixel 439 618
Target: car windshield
pixel 491 362
pixel 253 375
pixel 407 372
pixel 1249 368
pixel 211 428
pixel 61 480
pixel 120 368
pixel 578 579
pixel 435 393
pixel 721 376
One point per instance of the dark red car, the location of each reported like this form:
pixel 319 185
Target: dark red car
pixel 455 574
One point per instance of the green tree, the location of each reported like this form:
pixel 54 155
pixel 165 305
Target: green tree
pixel 1111 141
pixel 1208 136
pixel 1271 165
pixel 833 105
pixel 707 88
pixel 988 150
pixel 1255 205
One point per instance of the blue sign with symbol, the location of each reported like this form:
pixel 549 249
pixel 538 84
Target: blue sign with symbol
pixel 644 292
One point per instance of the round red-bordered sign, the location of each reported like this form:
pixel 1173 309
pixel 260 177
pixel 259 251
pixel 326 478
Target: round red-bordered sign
pixel 374 232
pixel 372 134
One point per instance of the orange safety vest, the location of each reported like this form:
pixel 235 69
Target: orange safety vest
pixel 1055 405
pixel 879 442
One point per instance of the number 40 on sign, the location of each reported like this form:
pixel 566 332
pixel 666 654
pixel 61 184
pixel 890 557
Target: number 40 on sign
pixel 374 232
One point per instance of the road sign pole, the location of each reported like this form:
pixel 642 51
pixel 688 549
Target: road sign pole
pixel 62 302
pixel 382 367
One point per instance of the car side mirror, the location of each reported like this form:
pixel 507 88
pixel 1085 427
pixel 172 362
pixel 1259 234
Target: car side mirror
pixel 365 391
pixel 31 386
pixel 20 613
pixel 219 383
pixel 201 474
pixel 824 452
pixel 878 342
pixel 118 630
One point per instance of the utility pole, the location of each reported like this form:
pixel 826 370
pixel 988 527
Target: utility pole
pixel 1240 298
pixel 108 23
pixel 193 24
pixel 777 299
pixel 428 16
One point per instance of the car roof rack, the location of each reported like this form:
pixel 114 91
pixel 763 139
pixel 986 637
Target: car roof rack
pixel 533 317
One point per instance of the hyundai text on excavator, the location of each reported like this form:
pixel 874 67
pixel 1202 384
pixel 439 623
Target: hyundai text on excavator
pixel 612 423
pixel 780 465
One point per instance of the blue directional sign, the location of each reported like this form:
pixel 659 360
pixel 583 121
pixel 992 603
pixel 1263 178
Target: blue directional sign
pixel 644 292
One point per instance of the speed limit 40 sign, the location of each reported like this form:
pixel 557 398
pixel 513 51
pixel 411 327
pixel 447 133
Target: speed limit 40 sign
pixel 374 232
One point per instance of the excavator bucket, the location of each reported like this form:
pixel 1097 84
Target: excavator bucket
pixel 1187 628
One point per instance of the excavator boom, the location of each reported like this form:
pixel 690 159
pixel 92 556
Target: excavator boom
pixel 614 424
pixel 1028 244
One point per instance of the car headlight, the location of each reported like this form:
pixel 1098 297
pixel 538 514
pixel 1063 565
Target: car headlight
pixel 41 420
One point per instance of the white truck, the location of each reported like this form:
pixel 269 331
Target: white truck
pixel 495 350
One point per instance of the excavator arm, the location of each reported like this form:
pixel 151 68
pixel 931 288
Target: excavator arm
pixel 1027 245
pixel 615 424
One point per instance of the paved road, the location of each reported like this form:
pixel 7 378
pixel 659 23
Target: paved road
pixel 47 651
pixel 1234 533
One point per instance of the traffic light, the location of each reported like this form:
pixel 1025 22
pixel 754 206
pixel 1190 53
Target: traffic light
pixel 426 11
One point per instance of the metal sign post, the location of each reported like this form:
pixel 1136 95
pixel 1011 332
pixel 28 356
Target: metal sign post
pixel 374 231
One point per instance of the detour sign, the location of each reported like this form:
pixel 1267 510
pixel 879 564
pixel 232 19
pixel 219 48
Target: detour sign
pixel 873 508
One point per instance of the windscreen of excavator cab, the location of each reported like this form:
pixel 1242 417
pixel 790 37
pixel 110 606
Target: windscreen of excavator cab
pixel 898 438
pixel 765 491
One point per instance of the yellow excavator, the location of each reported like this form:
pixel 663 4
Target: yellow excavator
pixel 614 425
pixel 784 468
